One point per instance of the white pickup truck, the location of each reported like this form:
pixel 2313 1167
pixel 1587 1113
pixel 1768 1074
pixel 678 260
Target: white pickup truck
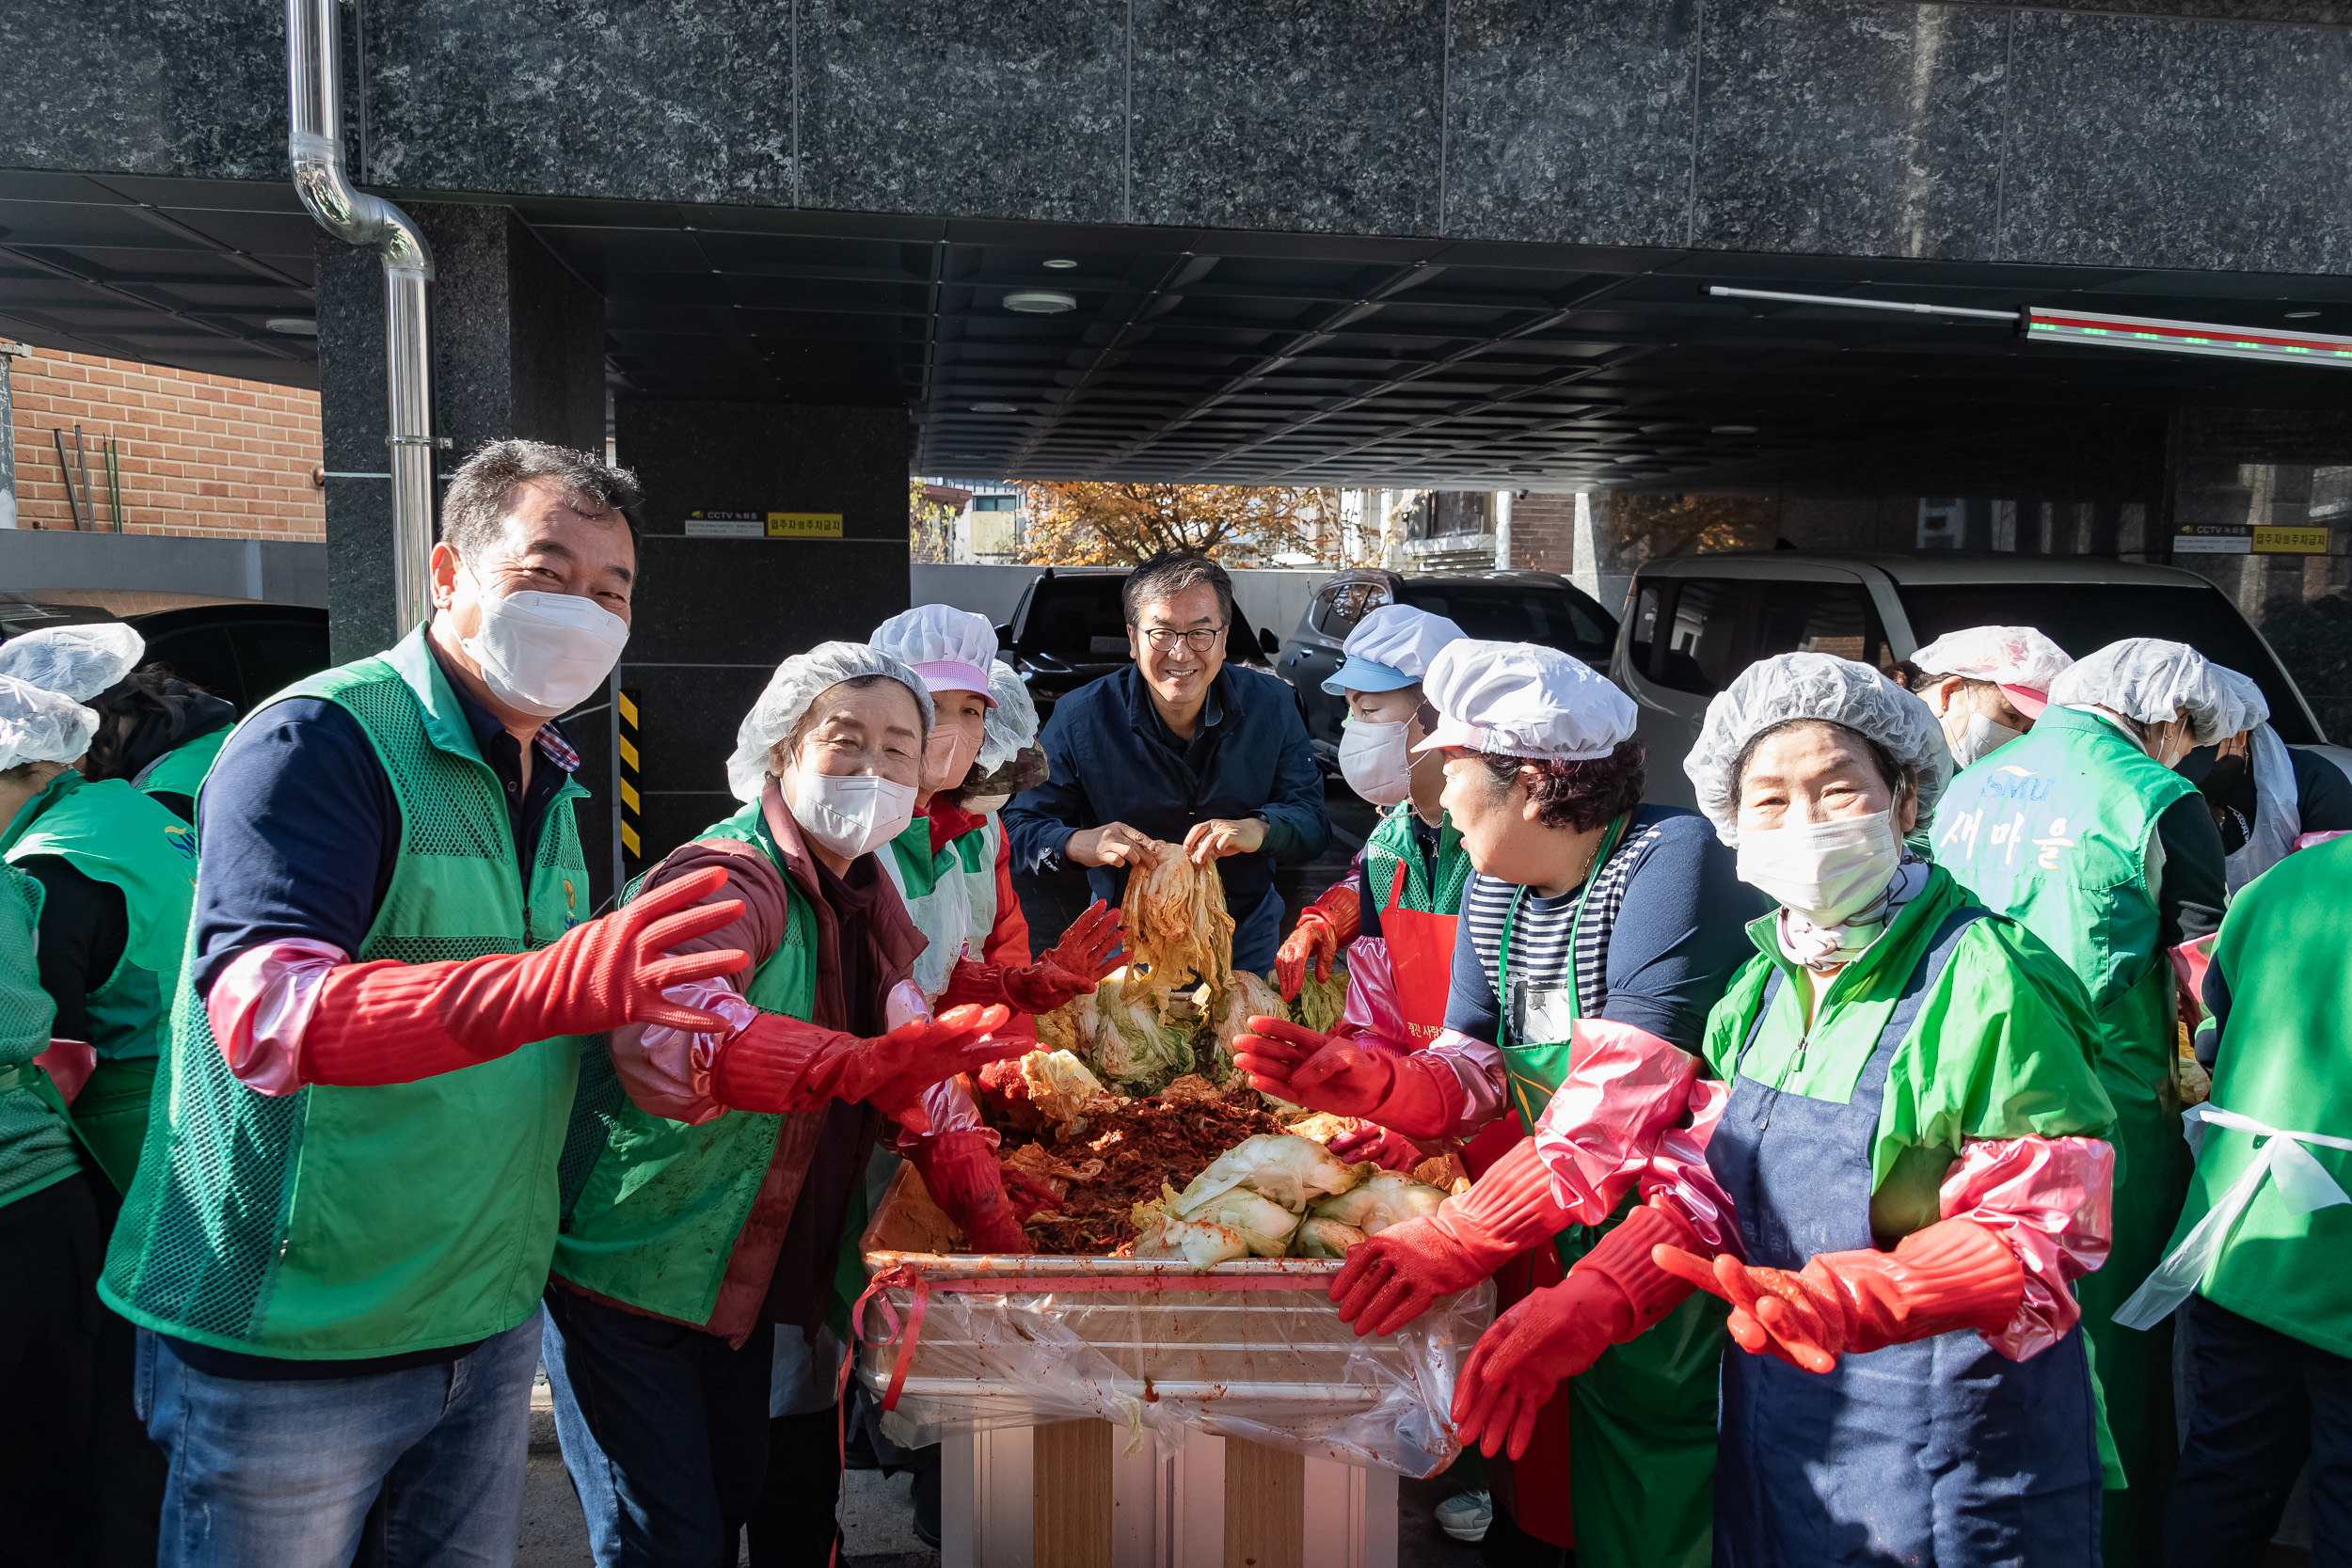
pixel 1691 623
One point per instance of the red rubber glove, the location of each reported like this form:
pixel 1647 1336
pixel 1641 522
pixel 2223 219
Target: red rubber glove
pixel 1615 1293
pixel 1072 968
pixel 384 1023
pixel 1390 1279
pixel 961 1171
pixel 1416 1095
pixel 1386 1149
pixel 1953 1274
pixel 783 1063
pixel 1324 926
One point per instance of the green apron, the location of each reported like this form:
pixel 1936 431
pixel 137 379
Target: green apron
pixel 112 833
pixel 36 1140
pixel 1641 1421
pixel 2053 831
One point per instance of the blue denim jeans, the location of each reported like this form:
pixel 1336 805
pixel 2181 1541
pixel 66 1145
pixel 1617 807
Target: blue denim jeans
pixel 664 1430
pixel 420 1469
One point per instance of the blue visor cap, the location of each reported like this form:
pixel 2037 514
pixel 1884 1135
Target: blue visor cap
pixel 1362 674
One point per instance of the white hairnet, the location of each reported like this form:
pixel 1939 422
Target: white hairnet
pixel 2006 655
pixel 2250 707
pixel 797 684
pixel 1012 725
pixel 2153 681
pixel 1812 685
pixel 41 726
pixel 73 661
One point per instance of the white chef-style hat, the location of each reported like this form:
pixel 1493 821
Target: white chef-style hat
pixel 73 661
pixel 1391 649
pixel 950 648
pixel 2018 660
pixel 1523 699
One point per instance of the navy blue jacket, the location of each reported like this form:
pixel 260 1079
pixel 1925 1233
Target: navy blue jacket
pixel 1114 760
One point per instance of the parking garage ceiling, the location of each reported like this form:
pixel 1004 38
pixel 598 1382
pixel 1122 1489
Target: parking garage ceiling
pixel 1246 357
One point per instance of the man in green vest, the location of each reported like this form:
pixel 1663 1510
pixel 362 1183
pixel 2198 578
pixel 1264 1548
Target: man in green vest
pixel 118 873
pixel 344 1214
pixel 2081 832
pixel 2268 1222
pixel 48 1219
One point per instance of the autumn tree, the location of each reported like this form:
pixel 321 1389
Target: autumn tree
pixel 1092 524
pixel 932 514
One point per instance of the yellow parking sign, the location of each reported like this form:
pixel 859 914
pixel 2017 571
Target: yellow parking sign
pixel 2284 541
pixel 827 525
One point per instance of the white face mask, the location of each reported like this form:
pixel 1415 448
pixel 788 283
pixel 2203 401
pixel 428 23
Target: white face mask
pixel 1825 871
pixel 1979 738
pixel 1376 761
pixel 545 654
pixel 850 813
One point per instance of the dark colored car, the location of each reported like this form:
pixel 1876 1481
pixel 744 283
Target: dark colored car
pixel 1071 627
pixel 1495 606
pixel 239 649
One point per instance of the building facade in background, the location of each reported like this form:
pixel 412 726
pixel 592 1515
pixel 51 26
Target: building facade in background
pixel 196 454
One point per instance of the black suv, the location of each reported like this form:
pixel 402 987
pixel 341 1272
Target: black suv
pixel 1496 606
pixel 241 649
pixel 1071 627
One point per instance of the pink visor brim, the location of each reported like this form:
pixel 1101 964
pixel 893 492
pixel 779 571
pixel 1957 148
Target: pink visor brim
pixel 947 675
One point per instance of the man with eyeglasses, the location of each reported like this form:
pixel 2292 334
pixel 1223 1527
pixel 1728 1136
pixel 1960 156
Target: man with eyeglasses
pixel 1177 753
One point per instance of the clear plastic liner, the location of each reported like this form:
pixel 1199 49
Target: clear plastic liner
pixel 1252 1349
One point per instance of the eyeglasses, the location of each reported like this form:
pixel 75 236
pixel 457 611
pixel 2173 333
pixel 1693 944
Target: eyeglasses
pixel 1199 640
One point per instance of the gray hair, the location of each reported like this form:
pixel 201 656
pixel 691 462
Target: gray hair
pixel 1171 573
pixel 473 514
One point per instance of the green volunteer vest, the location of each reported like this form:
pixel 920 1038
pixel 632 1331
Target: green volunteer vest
pixel 2282 955
pixel 661 1203
pixel 112 833
pixel 950 895
pixel 338 1223
pixel 181 769
pixel 36 1148
pixel 2053 831
pixel 1393 843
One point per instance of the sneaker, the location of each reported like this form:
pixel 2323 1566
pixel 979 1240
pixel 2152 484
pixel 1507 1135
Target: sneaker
pixel 1465 1515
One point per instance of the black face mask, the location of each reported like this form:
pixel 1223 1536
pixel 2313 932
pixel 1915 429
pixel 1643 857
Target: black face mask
pixel 2222 779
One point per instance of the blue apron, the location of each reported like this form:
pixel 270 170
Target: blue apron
pixel 1942 1453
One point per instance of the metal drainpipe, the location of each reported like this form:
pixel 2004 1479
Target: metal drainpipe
pixel 315 141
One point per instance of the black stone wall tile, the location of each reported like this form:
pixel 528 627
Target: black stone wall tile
pixel 1570 120
pixel 2151 143
pixel 190 87
pixel 1317 116
pixel 979 109
pixel 1851 127
pixel 650 99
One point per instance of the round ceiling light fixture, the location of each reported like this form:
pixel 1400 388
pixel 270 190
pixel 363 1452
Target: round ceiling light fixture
pixel 1041 302
pixel 1731 430
pixel 294 326
pixel 995 408
pixel 1060 263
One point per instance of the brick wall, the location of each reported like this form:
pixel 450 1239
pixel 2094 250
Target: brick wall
pixel 200 455
pixel 1543 533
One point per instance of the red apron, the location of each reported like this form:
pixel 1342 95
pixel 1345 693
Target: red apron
pixel 1421 961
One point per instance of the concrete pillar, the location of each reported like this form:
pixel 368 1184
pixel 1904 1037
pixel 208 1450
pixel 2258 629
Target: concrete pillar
pixel 717 611
pixel 1502 530
pixel 517 350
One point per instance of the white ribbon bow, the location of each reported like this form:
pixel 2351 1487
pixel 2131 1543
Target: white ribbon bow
pixel 2304 1186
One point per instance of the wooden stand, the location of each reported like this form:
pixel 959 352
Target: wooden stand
pixel 1066 1497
